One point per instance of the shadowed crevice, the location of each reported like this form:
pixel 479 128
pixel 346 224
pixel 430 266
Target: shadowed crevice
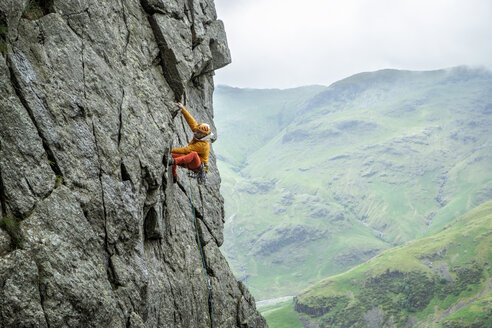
pixel 120 117
pixel 35 9
pixel 3 197
pixel 195 41
pixel 151 225
pixel 150 9
pixel 125 176
pixel 107 253
pixel 42 292
pixel 127 25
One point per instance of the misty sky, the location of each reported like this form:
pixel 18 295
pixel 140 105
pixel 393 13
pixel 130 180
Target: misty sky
pixel 289 43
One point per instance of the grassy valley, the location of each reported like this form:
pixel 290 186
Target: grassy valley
pixel 319 179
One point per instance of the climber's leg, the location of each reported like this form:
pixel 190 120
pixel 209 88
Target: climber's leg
pixel 175 173
pixel 190 161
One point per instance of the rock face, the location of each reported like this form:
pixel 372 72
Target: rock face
pixel 87 120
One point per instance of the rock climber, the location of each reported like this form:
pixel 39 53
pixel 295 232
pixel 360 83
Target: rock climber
pixel 194 156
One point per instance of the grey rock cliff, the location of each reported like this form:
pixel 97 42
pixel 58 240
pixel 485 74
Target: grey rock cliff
pixel 87 120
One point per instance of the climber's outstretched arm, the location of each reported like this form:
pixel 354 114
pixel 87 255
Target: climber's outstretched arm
pixel 191 121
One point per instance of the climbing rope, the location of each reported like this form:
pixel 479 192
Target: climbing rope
pixel 210 298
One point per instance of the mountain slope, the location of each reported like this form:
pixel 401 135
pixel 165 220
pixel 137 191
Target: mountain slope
pixel 444 280
pixel 370 162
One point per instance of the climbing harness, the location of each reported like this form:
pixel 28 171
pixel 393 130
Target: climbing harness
pixel 209 286
pixel 200 174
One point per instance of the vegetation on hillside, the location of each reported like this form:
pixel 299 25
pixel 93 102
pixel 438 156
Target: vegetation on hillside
pixel 282 316
pixel 425 281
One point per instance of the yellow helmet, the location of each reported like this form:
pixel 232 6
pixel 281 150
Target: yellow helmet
pixel 203 127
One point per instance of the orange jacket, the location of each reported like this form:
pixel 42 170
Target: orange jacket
pixel 200 146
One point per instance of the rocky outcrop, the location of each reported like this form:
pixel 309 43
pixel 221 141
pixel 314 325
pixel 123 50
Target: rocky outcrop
pixel 87 120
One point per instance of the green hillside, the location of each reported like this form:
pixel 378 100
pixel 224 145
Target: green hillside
pixel 443 280
pixel 282 316
pixel 319 179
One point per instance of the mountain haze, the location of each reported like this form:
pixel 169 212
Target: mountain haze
pixel 318 179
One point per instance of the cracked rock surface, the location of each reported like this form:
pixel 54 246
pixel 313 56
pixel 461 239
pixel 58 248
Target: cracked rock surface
pixel 87 119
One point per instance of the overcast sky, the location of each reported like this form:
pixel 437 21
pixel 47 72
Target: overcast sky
pixel 289 43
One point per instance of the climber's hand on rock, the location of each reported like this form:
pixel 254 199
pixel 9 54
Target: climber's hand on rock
pixel 180 105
